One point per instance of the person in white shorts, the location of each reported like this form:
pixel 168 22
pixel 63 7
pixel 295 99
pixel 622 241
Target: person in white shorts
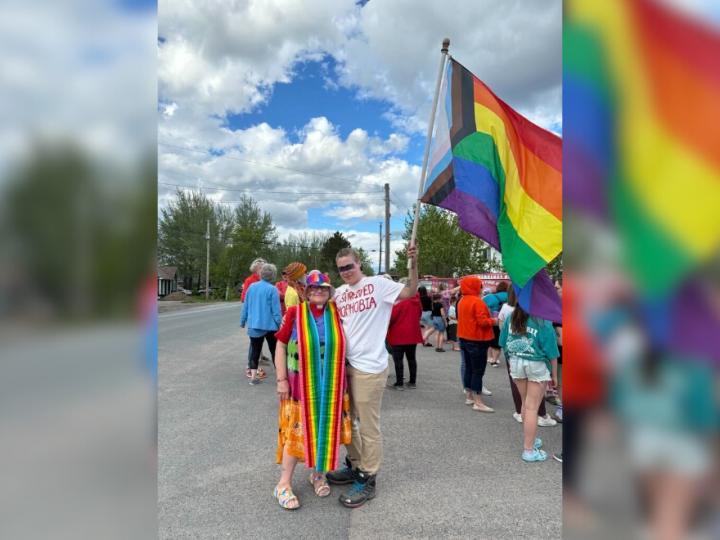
pixel 531 348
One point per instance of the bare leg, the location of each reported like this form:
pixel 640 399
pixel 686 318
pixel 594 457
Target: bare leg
pixel 672 505
pixel 287 468
pixel 521 385
pixel 533 395
pixel 428 333
pixel 440 340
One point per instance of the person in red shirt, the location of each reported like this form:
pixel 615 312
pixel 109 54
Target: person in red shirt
pixel 475 330
pixel 255 267
pixel 403 336
pixel 282 286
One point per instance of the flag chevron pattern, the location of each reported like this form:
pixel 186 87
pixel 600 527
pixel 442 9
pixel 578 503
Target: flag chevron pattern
pixel 499 172
pixel 322 376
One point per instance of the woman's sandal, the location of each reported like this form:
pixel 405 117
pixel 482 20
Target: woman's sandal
pixel 286 498
pixel 260 373
pixel 320 484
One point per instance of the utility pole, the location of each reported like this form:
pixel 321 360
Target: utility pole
pixel 207 262
pixel 380 250
pixel 387 227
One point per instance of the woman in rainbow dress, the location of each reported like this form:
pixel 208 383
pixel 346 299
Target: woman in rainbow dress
pixel 314 405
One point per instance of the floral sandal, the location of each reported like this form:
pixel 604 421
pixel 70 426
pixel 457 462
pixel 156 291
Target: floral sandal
pixel 320 484
pixel 286 498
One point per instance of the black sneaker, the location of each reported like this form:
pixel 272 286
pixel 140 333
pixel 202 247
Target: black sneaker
pixel 346 475
pixel 362 490
pixel 411 385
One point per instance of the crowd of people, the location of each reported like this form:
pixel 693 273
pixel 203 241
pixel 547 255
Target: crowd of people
pixel 330 350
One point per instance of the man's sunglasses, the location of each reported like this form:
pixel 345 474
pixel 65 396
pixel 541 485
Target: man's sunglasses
pixel 346 267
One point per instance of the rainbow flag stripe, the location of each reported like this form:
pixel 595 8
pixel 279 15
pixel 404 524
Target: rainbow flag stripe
pixel 322 384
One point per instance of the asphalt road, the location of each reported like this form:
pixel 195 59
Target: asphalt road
pixel 448 471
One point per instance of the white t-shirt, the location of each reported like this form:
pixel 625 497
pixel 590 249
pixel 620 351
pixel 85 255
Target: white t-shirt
pixel 365 310
pixel 505 311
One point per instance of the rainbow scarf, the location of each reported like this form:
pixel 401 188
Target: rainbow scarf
pixel 322 383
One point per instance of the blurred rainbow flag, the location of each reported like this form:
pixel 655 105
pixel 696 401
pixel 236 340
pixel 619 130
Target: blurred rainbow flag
pixel 642 133
pixel 501 174
pixel 642 154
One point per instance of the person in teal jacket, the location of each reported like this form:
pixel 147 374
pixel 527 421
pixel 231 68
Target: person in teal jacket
pixel 261 313
pixel 494 302
pixel 531 349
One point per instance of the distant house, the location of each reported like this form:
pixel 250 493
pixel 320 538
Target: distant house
pixel 167 279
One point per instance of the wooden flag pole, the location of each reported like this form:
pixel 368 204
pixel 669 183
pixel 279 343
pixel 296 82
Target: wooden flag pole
pixel 431 124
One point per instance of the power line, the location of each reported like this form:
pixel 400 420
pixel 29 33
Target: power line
pixel 239 202
pixel 224 156
pixel 252 190
pixel 244 241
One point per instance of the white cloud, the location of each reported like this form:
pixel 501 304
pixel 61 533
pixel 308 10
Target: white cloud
pixel 287 178
pixel 169 110
pixel 225 56
pixel 515 46
pixel 68 79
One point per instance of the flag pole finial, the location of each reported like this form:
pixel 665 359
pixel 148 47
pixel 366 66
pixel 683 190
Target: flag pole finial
pixel 446 45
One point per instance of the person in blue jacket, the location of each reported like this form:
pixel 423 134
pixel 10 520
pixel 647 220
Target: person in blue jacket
pixel 261 313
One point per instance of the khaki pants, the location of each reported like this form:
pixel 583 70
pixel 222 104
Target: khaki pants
pixel 366 392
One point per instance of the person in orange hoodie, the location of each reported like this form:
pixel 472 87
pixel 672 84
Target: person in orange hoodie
pixel 475 331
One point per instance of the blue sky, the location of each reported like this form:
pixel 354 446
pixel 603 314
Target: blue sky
pixel 332 95
pixel 314 89
pixel 312 86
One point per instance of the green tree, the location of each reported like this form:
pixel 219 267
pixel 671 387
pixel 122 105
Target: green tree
pixel 52 210
pixel 253 235
pixel 305 248
pixel 444 248
pixel 330 248
pixel 365 262
pixel 555 268
pixel 74 236
pixel 181 235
